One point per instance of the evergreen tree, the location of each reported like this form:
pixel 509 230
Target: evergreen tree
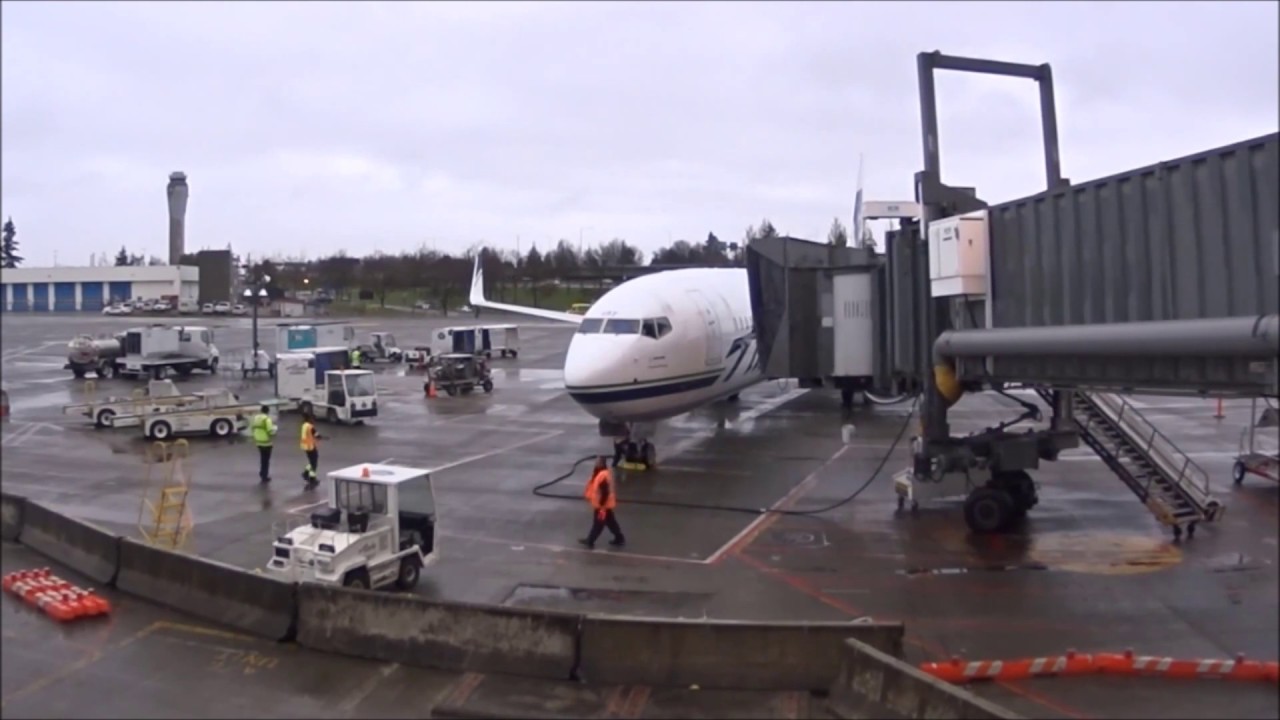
pixel 122 257
pixel 11 258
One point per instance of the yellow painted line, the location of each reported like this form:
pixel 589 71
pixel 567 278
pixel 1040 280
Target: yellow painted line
pixel 75 667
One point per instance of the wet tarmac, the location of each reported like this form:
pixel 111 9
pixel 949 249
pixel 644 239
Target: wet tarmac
pixel 1092 570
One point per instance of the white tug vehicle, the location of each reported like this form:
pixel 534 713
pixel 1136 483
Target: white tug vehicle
pixel 377 530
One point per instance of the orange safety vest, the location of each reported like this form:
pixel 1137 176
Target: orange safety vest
pixel 308 437
pixel 592 493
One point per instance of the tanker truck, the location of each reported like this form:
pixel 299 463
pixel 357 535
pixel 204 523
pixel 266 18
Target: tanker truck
pixel 86 353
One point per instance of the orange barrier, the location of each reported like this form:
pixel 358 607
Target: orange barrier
pixel 1237 669
pixel 54 596
pixel 959 671
pixel 956 670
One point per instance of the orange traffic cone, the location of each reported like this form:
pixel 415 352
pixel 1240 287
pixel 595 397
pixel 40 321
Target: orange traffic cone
pixel 431 389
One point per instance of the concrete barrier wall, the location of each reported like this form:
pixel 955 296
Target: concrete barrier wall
pixel 416 631
pixel 856 661
pixel 11 516
pixel 247 601
pixel 871 682
pixel 83 547
pixel 722 654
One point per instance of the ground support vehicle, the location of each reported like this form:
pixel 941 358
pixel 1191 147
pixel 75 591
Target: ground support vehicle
pixel 482 339
pixel 253 363
pixel 381 348
pixel 111 412
pixel 1259 455
pixel 152 351
pixel 460 373
pixel 318 381
pixel 418 358
pixel 378 529
pixel 220 414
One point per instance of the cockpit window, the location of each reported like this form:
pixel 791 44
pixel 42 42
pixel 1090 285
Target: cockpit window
pixel 616 326
pixel 656 327
pixel 590 326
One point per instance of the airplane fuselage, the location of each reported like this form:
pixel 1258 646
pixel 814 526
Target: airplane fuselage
pixel 663 344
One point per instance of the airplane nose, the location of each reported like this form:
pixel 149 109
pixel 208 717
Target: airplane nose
pixel 594 361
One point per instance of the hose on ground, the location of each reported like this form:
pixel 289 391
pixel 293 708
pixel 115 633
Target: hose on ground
pixel 541 490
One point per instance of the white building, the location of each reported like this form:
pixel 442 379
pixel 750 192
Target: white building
pixel 71 289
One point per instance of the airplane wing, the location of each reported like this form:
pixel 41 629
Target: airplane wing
pixel 477 300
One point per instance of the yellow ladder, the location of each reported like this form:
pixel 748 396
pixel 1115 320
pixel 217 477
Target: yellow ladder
pixel 167 522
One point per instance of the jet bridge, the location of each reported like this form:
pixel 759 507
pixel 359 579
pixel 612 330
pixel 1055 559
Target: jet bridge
pixel 1160 280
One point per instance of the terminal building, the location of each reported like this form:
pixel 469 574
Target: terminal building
pixel 89 289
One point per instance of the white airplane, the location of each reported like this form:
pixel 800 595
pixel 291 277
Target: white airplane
pixel 655 347
pixel 659 345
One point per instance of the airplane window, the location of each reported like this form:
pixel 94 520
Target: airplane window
pixel 662 325
pixel 650 329
pixel 615 326
pixel 590 326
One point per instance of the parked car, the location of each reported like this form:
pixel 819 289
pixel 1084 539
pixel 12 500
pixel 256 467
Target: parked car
pixel 117 310
pixel 422 305
pixel 161 306
pixel 222 308
pixel 207 308
pixel 188 307
pixel 238 309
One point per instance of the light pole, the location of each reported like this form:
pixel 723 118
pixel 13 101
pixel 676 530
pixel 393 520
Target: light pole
pixel 254 295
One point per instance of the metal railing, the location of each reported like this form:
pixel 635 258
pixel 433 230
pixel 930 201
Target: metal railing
pixel 1156 447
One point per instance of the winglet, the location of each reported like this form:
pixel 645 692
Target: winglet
pixel 856 229
pixel 477 284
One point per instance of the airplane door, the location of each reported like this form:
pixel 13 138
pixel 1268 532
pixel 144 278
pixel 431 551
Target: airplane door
pixel 712 334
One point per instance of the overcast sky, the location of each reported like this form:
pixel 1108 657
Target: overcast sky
pixel 312 127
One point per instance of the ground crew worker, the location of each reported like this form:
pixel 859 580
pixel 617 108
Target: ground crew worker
pixel 603 499
pixel 308 445
pixel 263 430
pixel 355 357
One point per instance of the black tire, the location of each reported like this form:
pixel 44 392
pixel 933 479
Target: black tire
pixel 162 430
pixel 451 390
pixel 1020 487
pixel 332 415
pixel 102 370
pixel 305 408
pixel 105 418
pixel 185 371
pixel 78 373
pixel 988 510
pixel 649 454
pixel 488 386
pixel 221 428
pixel 410 571
pixel 514 353
pixel 358 579
pixel 213 365
pixel 1238 471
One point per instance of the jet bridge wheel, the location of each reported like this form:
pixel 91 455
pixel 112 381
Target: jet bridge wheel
pixel 1020 487
pixel 989 510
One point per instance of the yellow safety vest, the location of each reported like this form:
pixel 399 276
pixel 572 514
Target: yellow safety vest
pixel 263 429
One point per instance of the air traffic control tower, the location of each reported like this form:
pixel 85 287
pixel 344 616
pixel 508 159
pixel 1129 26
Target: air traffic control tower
pixel 177 191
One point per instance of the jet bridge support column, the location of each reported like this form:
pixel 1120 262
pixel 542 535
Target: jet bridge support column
pixel 1009 492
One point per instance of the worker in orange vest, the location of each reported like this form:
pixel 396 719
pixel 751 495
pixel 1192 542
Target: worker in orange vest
pixel 603 499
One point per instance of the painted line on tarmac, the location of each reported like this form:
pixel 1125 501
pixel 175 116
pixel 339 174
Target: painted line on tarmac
pixel 521 545
pixel 755 527
pixel 497 451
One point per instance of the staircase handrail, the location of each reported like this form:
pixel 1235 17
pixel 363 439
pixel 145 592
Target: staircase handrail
pixel 1158 447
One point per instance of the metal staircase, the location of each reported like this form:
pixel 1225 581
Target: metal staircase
pixel 1172 486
